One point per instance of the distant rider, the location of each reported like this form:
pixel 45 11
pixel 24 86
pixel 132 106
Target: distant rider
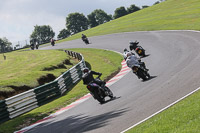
pixel 133 45
pixel 84 37
pixel 52 42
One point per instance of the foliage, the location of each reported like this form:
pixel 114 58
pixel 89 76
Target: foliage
pixel 76 22
pixel 98 17
pixel 145 6
pixel 157 2
pixel 119 12
pixel 64 33
pixel 42 34
pixel 5 45
pixel 133 8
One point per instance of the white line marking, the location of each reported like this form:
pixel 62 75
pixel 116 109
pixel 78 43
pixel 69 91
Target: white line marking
pixel 161 110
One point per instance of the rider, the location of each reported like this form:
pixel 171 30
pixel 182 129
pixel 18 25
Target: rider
pixel 125 53
pixel 133 45
pixel 83 37
pixel 52 41
pixel 133 60
pixel 88 77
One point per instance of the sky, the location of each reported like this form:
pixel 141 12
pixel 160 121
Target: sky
pixel 18 17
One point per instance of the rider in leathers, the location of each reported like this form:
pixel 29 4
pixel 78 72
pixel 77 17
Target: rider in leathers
pixel 88 77
pixel 133 60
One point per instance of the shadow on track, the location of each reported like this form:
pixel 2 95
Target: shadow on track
pixel 79 123
pixel 149 78
pixel 111 99
pixel 145 56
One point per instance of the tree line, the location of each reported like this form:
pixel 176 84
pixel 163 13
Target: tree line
pixel 75 22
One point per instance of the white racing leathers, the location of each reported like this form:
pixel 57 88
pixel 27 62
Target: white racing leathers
pixel 132 61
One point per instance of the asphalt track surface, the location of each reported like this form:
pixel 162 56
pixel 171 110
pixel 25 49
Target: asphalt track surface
pixel 173 61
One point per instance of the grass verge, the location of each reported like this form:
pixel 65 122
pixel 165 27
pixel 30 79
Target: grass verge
pixel 106 62
pixel 23 70
pixel 183 117
pixel 168 15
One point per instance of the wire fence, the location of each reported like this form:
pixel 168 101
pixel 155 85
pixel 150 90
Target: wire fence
pixel 21 44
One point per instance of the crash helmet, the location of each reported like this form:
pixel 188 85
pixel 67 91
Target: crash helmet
pixel 128 54
pixel 131 42
pixel 85 70
pixel 125 50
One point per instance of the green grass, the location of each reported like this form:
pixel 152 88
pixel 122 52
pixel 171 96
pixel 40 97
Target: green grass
pixel 168 15
pixel 106 62
pixel 183 117
pixel 25 67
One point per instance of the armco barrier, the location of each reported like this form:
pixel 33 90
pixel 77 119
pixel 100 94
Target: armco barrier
pixel 26 101
pixel 4 114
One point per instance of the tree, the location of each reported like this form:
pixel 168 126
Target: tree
pixel 132 9
pixel 76 22
pixel 145 6
pixel 5 45
pixel 157 2
pixel 119 12
pixel 98 17
pixel 42 34
pixel 64 33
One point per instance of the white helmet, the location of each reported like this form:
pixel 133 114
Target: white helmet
pixel 128 54
pixel 85 70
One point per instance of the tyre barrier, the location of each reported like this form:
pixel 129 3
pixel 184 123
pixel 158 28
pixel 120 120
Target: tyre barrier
pixel 31 99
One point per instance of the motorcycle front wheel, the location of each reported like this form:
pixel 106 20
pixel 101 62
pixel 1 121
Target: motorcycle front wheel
pixel 99 97
pixel 141 74
pixel 110 94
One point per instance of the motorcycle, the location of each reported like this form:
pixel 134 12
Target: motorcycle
pixel 33 46
pixel 140 51
pixel 99 92
pixel 52 43
pixel 141 72
pixel 86 40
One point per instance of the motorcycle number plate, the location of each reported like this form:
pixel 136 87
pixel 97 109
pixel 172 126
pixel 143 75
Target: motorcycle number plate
pixel 140 51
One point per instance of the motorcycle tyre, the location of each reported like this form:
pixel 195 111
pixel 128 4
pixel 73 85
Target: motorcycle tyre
pixel 141 74
pixel 110 94
pixel 99 98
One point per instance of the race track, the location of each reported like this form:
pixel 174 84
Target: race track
pixel 173 61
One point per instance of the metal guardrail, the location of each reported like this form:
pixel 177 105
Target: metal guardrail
pixel 29 100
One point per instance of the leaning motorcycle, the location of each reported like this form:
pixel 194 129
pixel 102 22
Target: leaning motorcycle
pixel 86 40
pixel 99 92
pixel 32 46
pixel 140 51
pixel 141 72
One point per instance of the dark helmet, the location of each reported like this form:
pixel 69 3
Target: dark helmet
pixel 125 50
pixel 85 70
pixel 131 42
